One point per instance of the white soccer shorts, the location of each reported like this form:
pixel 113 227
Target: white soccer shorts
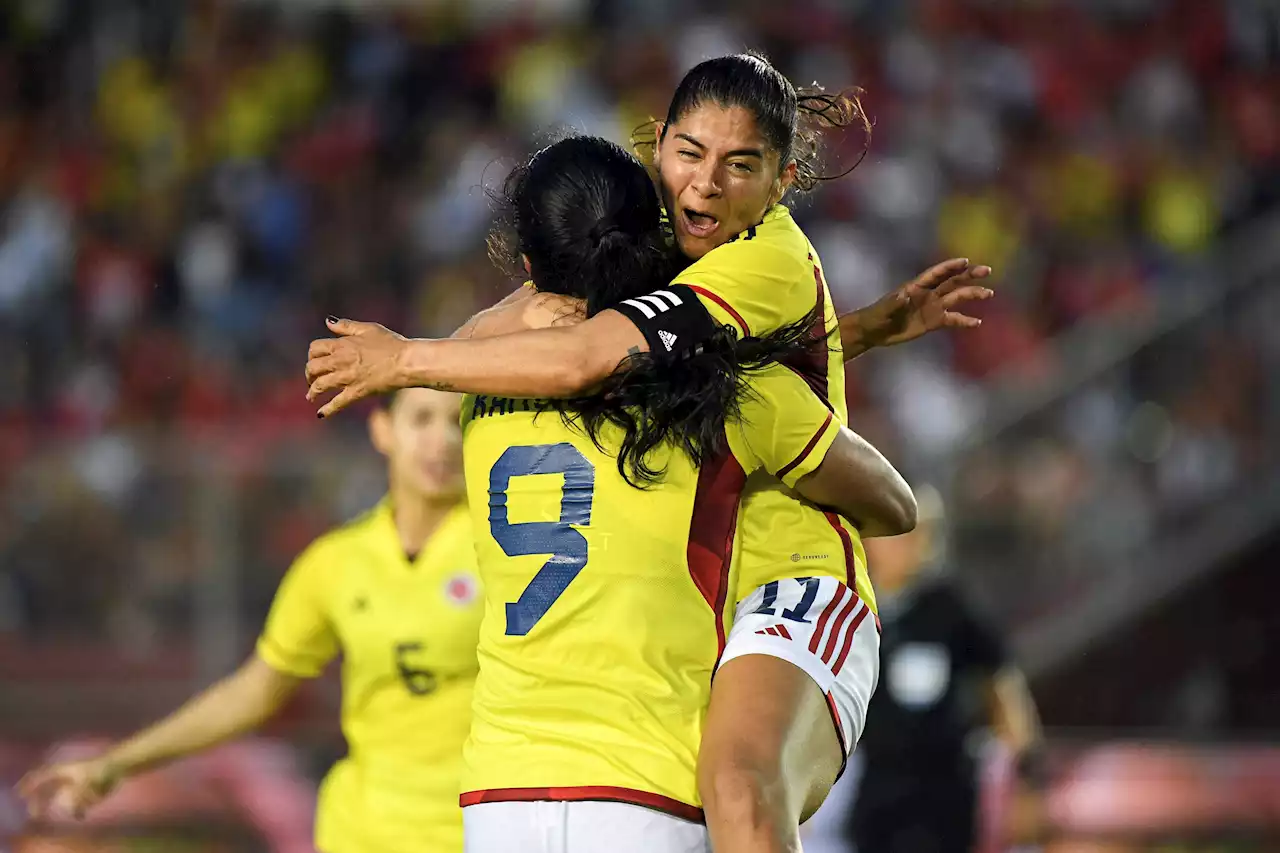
pixel 587 826
pixel 823 627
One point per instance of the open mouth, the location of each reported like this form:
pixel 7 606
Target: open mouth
pixel 698 224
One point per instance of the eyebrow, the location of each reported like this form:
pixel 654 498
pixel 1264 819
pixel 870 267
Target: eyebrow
pixel 737 152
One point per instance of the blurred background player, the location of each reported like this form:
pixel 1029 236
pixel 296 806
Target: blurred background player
pixel 946 677
pixel 395 593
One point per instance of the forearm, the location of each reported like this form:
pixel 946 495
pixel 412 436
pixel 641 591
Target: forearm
pixel 1013 711
pixel 232 707
pixel 854 335
pixel 565 361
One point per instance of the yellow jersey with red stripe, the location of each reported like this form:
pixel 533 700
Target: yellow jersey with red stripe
pixel 407 631
pixel 606 605
pixel 767 277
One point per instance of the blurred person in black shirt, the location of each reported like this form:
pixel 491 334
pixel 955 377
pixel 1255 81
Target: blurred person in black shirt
pixel 945 675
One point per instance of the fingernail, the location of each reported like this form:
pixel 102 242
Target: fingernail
pixel 332 319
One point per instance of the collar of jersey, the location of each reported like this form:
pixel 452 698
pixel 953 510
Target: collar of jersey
pixel 386 519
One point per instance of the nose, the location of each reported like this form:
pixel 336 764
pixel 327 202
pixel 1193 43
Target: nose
pixel 706 180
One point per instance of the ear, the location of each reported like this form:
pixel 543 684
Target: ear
pixel 659 131
pixel 380 430
pixel 528 269
pixel 783 183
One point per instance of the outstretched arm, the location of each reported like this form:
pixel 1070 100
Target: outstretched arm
pixel 563 361
pixel 235 705
pixel 930 301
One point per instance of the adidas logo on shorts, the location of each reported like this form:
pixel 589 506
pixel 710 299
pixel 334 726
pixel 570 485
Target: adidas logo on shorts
pixel 668 339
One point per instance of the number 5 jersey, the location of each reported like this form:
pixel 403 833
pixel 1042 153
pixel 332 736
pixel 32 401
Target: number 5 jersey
pixel 606 605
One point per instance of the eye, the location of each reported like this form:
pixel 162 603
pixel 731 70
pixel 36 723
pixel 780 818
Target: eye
pixel 688 154
pixel 741 168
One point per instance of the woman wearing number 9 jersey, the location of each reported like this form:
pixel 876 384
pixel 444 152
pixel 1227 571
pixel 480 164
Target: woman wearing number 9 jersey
pixel 395 591
pixel 604 530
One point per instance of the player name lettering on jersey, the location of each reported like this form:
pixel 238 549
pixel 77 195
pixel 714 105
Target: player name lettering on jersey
pixel 483 406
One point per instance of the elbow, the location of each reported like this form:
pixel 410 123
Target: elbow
pixel 580 373
pixel 574 378
pixel 905 512
pixel 895 512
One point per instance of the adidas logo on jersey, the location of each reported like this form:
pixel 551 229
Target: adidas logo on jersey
pixel 668 339
pixel 778 630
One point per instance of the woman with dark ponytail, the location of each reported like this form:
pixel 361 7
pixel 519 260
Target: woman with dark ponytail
pixel 736 140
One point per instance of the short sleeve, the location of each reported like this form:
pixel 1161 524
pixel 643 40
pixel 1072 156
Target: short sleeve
pixel 785 427
pixel 298 638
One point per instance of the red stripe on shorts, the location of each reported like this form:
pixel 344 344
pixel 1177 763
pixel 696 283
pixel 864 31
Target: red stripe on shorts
pixel 826 615
pixel 848 639
pixel 834 637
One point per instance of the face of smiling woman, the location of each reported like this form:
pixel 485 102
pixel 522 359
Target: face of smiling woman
pixel 718 175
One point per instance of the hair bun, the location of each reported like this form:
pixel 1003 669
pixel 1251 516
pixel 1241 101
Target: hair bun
pixel 602 229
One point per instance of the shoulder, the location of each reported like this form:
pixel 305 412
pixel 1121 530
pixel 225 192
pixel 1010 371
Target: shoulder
pixel 775 247
pixel 334 545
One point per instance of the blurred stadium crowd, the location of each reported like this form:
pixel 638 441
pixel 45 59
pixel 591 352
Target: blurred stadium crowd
pixel 188 188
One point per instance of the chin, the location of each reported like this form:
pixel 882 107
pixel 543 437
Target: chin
pixel 694 248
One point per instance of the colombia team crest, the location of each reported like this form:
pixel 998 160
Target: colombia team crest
pixel 461 589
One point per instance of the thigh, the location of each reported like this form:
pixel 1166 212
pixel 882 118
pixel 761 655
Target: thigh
pixel 820 627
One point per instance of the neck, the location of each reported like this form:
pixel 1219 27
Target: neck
pixel 417 516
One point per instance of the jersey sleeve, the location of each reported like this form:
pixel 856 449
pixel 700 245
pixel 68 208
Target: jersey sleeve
pixel 785 428
pixel 752 286
pixel 298 638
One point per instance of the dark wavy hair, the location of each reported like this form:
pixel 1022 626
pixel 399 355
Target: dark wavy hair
pixel 586 216
pixel 792 120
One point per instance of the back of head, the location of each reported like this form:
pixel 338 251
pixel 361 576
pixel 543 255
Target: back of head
pixel 585 215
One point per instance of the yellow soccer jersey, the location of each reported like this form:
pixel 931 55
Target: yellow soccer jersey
pixel 407 632
pixel 606 606
pixel 767 277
